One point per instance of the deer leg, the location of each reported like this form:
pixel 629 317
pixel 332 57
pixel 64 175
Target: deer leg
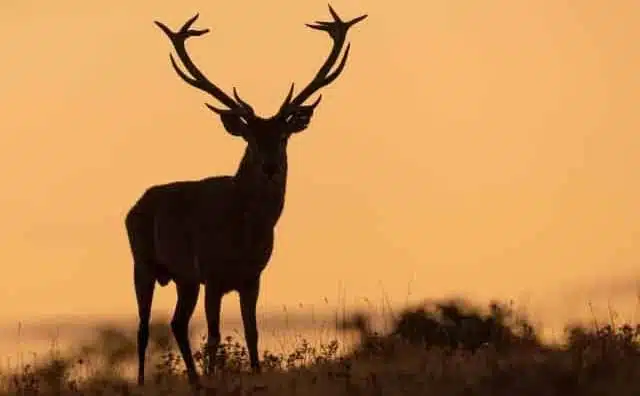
pixel 144 285
pixel 248 301
pixel 187 299
pixel 212 302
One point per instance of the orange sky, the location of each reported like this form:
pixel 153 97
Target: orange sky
pixel 484 148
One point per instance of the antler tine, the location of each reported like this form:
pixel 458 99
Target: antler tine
pixel 196 78
pixel 240 101
pixel 334 14
pixel 287 100
pixel 189 22
pixel 356 20
pixel 337 29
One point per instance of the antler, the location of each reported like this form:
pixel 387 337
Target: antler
pixel 338 32
pixel 197 78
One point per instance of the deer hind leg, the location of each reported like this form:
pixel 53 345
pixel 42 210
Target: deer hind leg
pixel 187 299
pixel 248 302
pixel 144 282
pixel 144 285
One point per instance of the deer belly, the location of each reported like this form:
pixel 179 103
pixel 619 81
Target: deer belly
pixel 234 255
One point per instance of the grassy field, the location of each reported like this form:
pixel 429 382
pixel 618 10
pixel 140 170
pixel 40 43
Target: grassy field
pixel 445 348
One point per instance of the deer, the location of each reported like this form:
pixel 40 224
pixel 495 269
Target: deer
pixel 219 231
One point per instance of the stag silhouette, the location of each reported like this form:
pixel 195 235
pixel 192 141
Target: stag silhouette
pixel 219 231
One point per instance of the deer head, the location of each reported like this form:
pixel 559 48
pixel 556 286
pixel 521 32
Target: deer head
pixel 266 137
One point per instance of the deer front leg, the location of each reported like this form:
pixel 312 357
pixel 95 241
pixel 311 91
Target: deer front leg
pixel 248 303
pixel 212 302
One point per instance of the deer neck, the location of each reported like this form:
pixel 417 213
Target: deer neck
pixel 262 198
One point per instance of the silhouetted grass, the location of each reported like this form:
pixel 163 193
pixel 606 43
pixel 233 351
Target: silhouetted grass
pixel 446 348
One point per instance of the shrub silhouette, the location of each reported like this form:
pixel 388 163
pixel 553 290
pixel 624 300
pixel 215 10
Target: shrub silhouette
pixel 453 324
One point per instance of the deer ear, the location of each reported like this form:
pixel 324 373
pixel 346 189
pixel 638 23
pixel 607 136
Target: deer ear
pixel 234 124
pixel 298 120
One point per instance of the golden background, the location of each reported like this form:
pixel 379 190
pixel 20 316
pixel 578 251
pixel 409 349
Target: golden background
pixel 485 148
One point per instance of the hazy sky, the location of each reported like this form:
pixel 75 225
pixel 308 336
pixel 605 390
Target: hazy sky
pixel 487 148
